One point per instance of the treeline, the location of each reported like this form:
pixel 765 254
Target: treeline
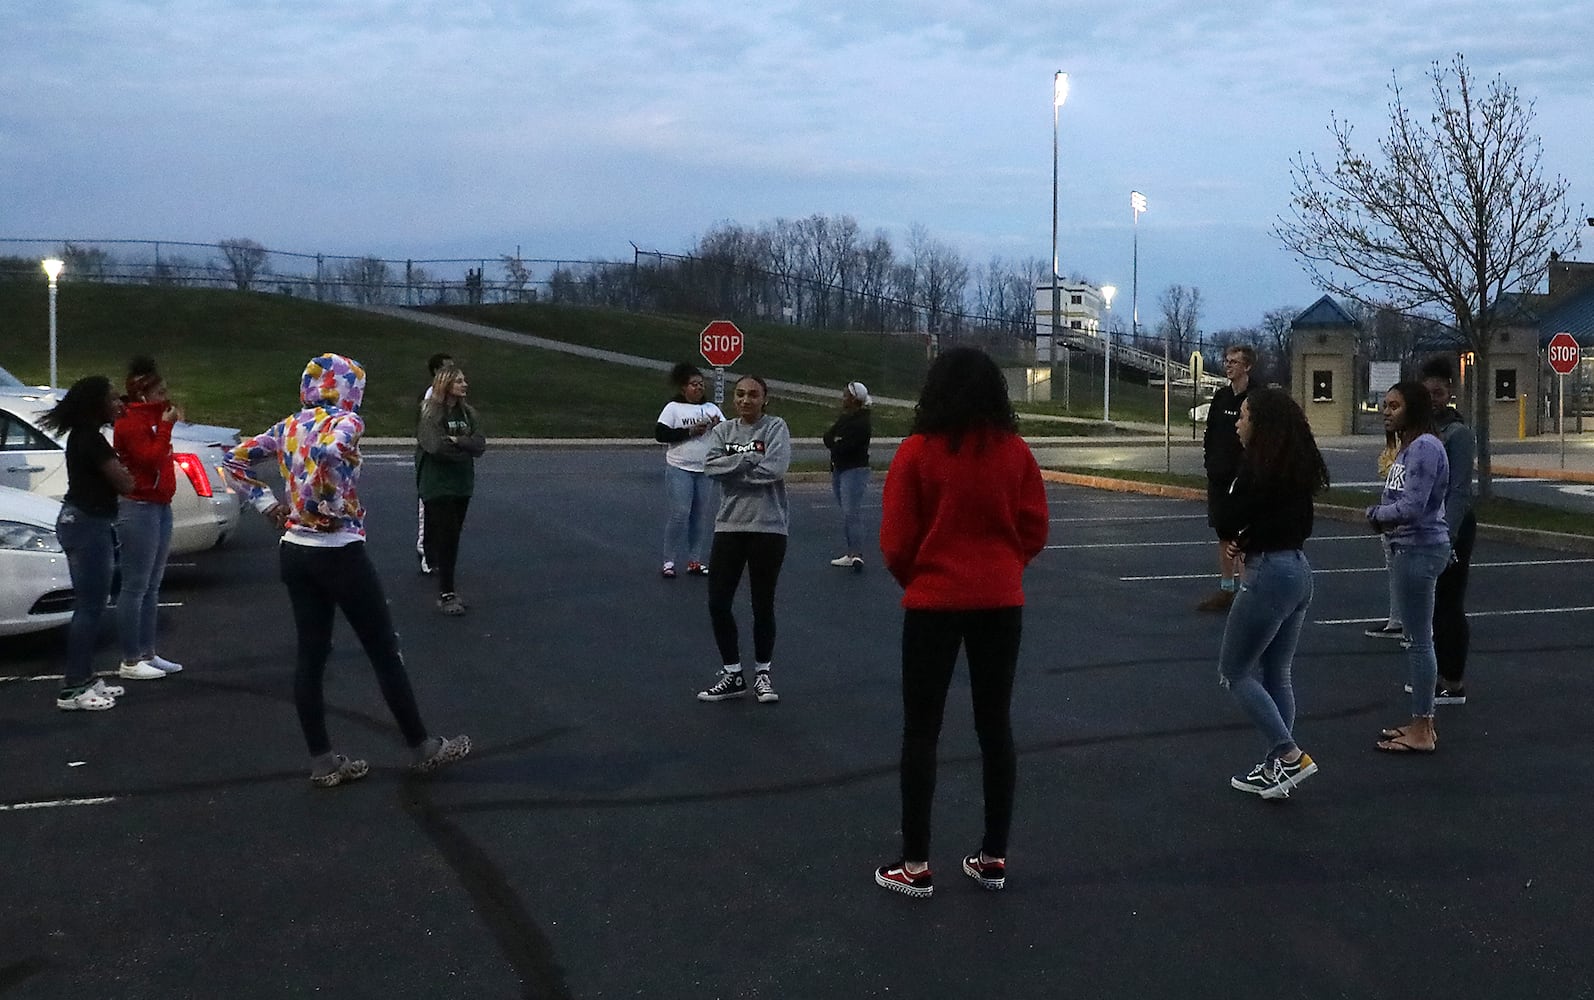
pixel 820 271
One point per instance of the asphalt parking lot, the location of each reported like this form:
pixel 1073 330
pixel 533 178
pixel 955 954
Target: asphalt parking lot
pixel 612 836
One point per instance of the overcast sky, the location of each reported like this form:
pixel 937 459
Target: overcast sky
pixel 430 129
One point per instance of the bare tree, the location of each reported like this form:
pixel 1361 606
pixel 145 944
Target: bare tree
pixel 246 259
pixel 1452 213
pixel 516 274
pixel 1276 338
pixel 1181 318
pixel 367 280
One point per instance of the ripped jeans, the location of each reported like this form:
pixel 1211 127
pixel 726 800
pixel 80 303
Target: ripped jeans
pixel 1259 642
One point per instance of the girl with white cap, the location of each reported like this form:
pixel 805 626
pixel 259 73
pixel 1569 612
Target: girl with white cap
pixel 848 441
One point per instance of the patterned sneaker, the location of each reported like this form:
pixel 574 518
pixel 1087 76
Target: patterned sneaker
pixel 435 753
pixel 730 685
pixel 898 879
pixel 346 771
pixel 762 689
pixel 990 875
pixel 696 569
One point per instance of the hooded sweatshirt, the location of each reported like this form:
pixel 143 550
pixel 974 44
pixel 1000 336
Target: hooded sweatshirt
pixel 1461 451
pixel 144 444
pixel 1412 507
pixel 318 453
pixel 750 462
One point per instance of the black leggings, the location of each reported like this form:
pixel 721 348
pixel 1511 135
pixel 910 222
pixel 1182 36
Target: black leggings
pixel 930 641
pixel 761 553
pixel 445 520
pixel 1451 634
pixel 321 581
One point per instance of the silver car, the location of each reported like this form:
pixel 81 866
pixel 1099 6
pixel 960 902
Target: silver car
pixel 35 585
pixel 204 509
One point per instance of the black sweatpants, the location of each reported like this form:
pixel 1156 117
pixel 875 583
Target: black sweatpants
pixel 930 642
pixel 445 521
pixel 1451 634
pixel 321 581
pixel 761 553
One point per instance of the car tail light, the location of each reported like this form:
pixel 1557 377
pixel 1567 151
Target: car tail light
pixel 194 469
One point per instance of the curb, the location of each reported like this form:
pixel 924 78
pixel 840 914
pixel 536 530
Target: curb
pixel 1564 475
pixel 1553 540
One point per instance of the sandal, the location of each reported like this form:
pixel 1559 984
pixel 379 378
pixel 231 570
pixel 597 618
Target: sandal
pixel 1399 744
pixel 1399 733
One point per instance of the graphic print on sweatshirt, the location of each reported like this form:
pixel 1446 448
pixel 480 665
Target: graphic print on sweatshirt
pixel 749 448
pixel 1397 478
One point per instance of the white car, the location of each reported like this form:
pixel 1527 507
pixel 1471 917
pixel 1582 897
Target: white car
pixel 204 509
pixel 35 585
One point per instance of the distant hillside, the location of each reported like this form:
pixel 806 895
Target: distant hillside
pixel 234 358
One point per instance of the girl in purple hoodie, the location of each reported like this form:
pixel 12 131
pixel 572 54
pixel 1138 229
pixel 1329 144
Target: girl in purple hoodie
pixel 1411 516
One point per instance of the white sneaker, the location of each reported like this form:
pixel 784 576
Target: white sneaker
pixel 164 665
pixel 108 690
pixel 845 562
pixel 86 700
pixel 143 670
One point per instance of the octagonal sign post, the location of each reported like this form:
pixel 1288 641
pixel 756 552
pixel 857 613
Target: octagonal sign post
pixel 721 343
pixel 1563 355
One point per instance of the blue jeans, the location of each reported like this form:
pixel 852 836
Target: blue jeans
pixel 1259 641
pixel 90 544
pixel 145 533
pixel 1414 571
pixel 849 485
pixel 689 498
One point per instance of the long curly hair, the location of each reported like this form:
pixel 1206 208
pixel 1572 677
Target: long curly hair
pixel 86 405
pixel 963 391
pixel 1282 451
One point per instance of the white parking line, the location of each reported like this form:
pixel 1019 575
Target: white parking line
pixel 1470 614
pixel 1208 542
pixel 1363 569
pixel 1105 520
pixel 55 803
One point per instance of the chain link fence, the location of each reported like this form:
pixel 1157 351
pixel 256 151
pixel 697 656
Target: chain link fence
pixel 247 266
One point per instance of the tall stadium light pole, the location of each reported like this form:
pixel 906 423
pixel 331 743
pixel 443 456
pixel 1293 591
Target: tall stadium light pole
pixel 1059 95
pixel 1107 292
pixel 52 270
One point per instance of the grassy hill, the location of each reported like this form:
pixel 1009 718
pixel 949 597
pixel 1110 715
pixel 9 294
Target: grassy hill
pixel 234 358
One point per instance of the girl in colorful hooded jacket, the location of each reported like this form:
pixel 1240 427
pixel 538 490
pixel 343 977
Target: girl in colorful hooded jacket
pixel 142 437
pixel 324 562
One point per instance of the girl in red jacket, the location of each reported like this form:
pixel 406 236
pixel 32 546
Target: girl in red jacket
pixel 965 512
pixel 143 441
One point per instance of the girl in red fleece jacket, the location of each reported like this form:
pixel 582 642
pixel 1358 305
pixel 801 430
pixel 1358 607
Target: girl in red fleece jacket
pixel 965 512
pixel 143 440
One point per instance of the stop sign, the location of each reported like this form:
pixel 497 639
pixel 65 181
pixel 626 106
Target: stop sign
pixel 721 343
pixel 1564 353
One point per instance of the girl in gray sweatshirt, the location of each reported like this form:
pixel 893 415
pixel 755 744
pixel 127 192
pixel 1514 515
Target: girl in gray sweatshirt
pixel 749 457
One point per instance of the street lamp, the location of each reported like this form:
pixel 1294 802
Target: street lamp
pixel 52 270
pixel 1059 95
pixel 1107 292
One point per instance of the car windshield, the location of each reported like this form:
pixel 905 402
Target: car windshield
pixel 9 381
